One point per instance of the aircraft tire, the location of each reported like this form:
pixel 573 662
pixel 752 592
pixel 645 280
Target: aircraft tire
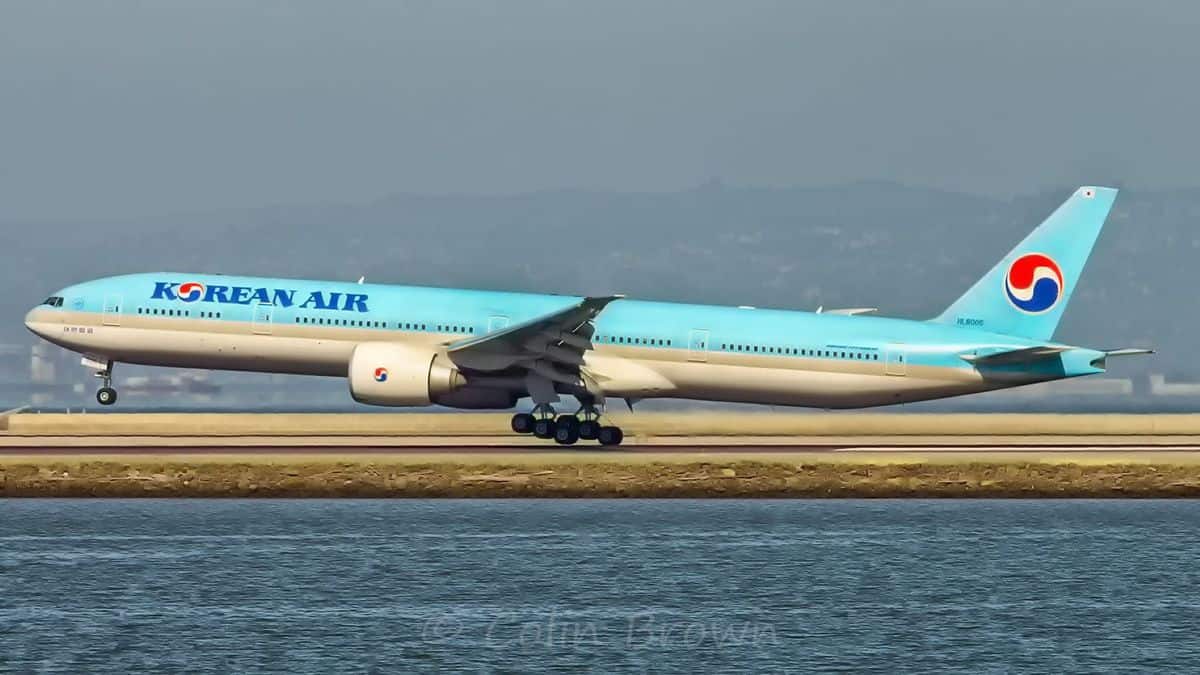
pixel 589 430
pixel 568 421
pixel 544 428
pixel 106 396
pixel 522 423
pixel 566 434
pixel 610 436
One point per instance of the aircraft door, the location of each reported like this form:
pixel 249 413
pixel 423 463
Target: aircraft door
pixel 112 310
pixel 895 360
pixel 496 323
pixel 698 345
pixel 261 323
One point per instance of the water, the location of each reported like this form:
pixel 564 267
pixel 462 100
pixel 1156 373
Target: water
pixel 543 586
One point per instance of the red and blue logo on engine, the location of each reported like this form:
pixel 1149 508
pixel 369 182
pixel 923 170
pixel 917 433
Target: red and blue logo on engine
pixel 191 291
pixel 1034 283
pixel 381 374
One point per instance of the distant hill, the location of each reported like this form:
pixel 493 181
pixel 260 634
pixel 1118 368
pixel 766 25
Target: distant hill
pixel 908 251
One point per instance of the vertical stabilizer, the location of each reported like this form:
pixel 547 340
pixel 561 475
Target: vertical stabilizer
pixel 1026 293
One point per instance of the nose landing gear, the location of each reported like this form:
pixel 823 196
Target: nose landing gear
pixel 567 429
pixel 106 395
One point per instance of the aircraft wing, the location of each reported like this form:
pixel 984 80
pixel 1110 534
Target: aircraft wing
pixel 558 338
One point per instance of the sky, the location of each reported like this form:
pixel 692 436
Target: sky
pixel 121 109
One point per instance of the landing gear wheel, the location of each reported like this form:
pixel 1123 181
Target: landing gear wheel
pixel 568 421
pixel 610 436
pixel 566 432
pixel 522 423
pixel 106 396
pixel 589 430
pixel 544 427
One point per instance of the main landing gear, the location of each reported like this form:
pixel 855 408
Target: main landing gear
pixel 566 429
pixel 106 394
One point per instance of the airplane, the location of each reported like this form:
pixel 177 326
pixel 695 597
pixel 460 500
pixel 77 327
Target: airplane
pixel 474 349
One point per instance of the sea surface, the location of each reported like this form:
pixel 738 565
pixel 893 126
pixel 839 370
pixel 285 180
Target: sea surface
pixel 593 585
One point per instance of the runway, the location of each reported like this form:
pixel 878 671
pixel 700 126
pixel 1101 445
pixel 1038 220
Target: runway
pixel 457 448
pixel 475 455
pixel 672 437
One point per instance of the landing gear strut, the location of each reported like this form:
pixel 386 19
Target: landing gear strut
pixel 543 422
pixel 589 423
pixel 106 394
pixel 566 429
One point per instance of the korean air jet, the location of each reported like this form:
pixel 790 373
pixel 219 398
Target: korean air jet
pixel 417 346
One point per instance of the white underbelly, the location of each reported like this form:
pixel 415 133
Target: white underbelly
pixel 246 351
pixel 825 385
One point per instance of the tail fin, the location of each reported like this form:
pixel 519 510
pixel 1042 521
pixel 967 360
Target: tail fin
pixel 1026 292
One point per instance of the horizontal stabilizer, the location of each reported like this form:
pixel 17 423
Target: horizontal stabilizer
pixel 1015 356
pixel 852 311
pixel 1127 352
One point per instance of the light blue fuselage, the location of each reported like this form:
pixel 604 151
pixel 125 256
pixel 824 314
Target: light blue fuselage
pixel 670 349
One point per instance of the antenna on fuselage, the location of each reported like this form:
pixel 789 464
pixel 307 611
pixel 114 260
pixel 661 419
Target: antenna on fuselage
pixel 360 280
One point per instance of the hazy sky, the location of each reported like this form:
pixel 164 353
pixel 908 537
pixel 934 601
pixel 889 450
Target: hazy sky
pixel 114 109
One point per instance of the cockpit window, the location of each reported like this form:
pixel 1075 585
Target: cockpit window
pixel 54 301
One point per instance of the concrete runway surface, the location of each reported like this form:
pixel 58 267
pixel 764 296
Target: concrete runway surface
pixel 649 437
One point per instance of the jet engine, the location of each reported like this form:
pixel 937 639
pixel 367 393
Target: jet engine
pixel 388 373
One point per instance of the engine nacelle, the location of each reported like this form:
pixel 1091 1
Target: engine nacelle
pixel 389 373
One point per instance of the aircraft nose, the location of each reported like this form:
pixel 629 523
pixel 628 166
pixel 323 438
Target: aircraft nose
pixel 31 320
